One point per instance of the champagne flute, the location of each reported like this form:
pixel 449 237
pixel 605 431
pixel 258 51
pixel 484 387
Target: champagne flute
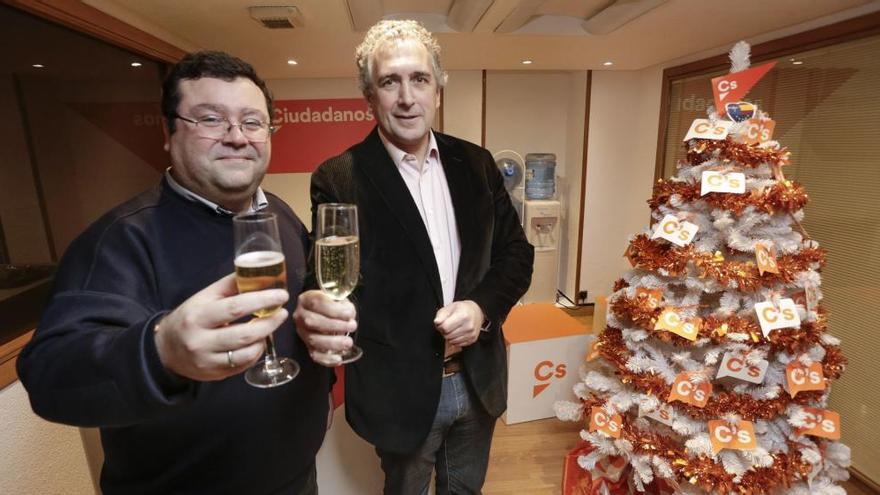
pixel 259 265
pixel 338 256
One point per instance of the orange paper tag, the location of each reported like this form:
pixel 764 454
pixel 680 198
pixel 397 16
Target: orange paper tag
pixel 653 296
pixel 821 423
pixel 686 391
pixel 723 435
pixel 801 378
pixel 609 424
pixel 670 321
pixel 594 351
pixel 766 256
pixel 757 131
pixel 689 328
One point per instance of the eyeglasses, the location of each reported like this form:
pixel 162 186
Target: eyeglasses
pixel 214 127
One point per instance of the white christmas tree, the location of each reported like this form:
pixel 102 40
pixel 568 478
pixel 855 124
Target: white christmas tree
pixel 713 372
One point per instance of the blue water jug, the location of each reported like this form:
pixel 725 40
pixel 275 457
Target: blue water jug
pixel 540 175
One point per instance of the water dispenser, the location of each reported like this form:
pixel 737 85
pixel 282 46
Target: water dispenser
pixel 541 223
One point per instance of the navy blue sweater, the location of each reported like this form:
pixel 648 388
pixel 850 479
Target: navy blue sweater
pixel 93 359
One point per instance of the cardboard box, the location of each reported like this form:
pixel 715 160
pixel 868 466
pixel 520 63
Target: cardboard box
pixel 545 349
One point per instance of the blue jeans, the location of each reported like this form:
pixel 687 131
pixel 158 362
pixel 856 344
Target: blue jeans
pixel 457 447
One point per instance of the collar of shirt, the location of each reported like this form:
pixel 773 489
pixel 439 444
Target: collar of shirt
pixel 402 158
pixel 258 203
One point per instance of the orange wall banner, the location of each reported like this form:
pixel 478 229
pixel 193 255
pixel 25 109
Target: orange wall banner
pixel 311 131
pixel 308 131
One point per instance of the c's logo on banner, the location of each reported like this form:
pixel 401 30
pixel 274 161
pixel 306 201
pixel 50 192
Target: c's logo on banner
pixel 544 372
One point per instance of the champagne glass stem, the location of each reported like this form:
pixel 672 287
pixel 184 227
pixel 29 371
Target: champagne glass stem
pixel 270 349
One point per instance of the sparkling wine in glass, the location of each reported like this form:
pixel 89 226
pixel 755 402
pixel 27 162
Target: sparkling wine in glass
pixel 259 265
pixel 338 257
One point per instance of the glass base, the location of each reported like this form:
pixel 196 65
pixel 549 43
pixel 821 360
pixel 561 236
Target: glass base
pixel 268 374
pixel 352 355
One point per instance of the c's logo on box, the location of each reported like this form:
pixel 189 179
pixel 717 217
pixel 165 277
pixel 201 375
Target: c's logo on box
pixel 544 372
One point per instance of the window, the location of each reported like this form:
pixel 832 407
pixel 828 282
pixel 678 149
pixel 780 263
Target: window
pixel 83 133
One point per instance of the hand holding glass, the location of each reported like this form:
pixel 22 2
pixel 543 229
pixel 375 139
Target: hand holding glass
pixel 338 256
pixel 259 265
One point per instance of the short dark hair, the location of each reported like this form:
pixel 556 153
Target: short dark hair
pixel 219 65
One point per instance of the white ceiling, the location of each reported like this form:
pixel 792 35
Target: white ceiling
pixel 324 45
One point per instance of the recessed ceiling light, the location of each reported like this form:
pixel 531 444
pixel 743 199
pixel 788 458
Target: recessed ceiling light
pixel 527 61
pixel 797 62
pixel 292 62
pixel 136 64
pixel 38 66
pixel 608 63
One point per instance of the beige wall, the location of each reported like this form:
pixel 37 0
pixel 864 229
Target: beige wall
pixel 38 457
pixel 463 105
pixel 624 116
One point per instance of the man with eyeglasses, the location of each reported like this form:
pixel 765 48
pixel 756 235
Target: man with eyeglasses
pixel 145 335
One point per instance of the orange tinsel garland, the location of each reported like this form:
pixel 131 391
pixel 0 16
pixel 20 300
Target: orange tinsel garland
pixel 728 151
pixel 650 254
pixel 708 473
pixel 792 340
pixel 784 196
pixel 613 349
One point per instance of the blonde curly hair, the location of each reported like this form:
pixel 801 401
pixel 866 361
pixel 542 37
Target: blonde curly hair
pixel 387 31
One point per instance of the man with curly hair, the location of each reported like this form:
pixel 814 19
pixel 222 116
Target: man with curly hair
pixel 443 259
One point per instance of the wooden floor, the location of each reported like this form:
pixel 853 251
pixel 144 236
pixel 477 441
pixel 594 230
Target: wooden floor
pixel 526 458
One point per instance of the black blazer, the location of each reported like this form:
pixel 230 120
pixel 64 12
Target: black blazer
pixel 392 393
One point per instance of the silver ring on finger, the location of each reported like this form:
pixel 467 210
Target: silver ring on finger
pixel 229 359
